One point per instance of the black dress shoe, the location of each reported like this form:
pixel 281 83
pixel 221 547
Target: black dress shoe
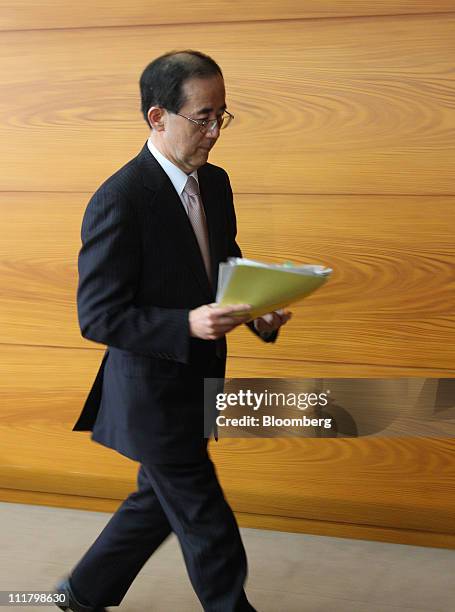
pixel 73 604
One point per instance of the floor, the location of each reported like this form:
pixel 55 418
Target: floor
pixel 288 572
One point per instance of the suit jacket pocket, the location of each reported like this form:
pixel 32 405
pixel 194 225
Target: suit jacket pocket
pixel 141 366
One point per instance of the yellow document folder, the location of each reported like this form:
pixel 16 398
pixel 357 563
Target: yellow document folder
pixel 266 287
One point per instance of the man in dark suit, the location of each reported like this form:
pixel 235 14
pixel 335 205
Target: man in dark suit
pixel 153 236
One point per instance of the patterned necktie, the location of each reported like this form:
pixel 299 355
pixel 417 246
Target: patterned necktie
pixel 196 216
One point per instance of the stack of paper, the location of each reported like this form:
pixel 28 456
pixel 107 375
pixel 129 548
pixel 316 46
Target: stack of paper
pixel 266 287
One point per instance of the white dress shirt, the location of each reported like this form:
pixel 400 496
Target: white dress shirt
pixel 177 177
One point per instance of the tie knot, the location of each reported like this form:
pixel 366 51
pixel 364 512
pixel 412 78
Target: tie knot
pixel 191 188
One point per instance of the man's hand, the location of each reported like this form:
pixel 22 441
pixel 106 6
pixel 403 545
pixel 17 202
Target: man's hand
pixel 272 321
pixel 210 322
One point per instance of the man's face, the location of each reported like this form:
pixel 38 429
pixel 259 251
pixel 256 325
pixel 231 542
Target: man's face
pixel 182 142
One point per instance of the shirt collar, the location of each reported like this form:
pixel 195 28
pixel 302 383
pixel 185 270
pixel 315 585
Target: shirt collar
pixel 177 177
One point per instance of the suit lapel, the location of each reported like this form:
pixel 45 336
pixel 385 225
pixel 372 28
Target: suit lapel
pixel 174 219
pixel 210 194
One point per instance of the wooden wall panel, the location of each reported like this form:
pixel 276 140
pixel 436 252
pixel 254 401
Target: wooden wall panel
pixel 291 481
pixel 340 106
pixel 267 366
pixel 355 108
pixel 390 301
pixel 253 521
pixel 46 14
pixel 302 478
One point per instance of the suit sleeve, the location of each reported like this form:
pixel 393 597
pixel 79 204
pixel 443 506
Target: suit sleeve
pixel 109 267
pixel 234 251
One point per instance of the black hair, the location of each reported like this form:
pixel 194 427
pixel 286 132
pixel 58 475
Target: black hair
pixel 162 81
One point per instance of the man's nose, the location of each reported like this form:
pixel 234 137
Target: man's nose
pixel 214 132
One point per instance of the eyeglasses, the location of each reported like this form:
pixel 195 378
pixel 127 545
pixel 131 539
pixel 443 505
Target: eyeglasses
pixel 207 125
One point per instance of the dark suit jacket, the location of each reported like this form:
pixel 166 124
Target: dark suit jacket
pixel 140 273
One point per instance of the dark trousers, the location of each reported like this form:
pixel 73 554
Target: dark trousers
pixel 188 500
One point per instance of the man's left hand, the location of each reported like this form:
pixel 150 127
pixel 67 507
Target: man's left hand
pixel 272 321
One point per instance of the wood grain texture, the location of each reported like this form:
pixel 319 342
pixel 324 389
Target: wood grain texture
pixel 313 479
pixel 28 14
pixel 56 380
pixel 352 106
pixel 344 530
pixel 344 480
pixel 255 521
pixel 390 302
pixel 322 106
pixel 269 367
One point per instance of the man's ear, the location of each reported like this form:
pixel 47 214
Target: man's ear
pixel 155 116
